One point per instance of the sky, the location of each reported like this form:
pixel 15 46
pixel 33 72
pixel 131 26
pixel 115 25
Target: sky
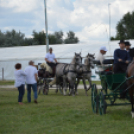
pixel 89 19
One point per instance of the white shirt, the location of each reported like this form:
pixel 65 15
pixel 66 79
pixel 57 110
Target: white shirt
pixel 19 78
pixel 50 57
pixel 30 74
pixel 100 57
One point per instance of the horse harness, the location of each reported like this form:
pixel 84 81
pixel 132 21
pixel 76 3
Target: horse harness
pixel 64 70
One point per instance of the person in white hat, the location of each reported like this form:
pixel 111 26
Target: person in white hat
pixel 101 57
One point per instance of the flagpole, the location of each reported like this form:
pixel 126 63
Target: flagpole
pixel 46 26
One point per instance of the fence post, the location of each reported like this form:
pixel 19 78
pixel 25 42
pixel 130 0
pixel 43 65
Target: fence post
pixel 2 73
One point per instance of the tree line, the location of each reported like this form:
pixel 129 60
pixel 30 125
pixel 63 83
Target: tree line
pixel 125 27
pixel 14 38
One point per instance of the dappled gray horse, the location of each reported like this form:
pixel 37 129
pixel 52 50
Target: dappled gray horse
pixel 68 73
pixel 86 72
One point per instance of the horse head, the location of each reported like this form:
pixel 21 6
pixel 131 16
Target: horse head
pixel 78 62
pixel 91 55
pixel 78 59
pixel 89 60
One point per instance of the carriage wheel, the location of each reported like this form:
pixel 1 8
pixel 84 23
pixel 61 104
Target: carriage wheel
pixel 104 86
pixel 94 98
pixel 102 104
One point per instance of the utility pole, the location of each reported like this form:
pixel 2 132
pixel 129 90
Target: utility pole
pixel 46 25
pixel 109 22
pixel 109 26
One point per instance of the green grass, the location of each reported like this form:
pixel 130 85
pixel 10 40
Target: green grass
pixel 57 114
pixel 94 82
pixel 6 82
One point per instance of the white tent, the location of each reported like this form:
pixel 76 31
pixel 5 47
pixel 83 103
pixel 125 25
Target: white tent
pixel 64 53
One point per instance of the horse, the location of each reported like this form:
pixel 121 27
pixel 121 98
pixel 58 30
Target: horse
pixel 130 82
pixel 86 72
pixel 68 72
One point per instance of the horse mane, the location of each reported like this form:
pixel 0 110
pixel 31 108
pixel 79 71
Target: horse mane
pixel 73 60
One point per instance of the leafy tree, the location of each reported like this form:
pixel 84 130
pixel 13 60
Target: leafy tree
pixel 14 38
pixel 11 38
pixel 125 27
pixel 71 39
pixel 39 37
pixel 59 37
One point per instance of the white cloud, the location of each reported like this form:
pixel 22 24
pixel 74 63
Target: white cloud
pixel 20 5
pixel 89 19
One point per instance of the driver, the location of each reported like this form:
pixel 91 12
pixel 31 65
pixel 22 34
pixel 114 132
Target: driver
pixel 50 58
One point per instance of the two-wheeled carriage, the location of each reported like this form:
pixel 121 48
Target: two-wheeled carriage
pixel 113 86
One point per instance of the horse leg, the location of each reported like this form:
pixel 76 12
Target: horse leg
pixel 85 87
pixel 72 84
pixel 76 86
pixel 132 101
pixel 57 87
pixel 64 85
pixel 72 88
pixel 90 83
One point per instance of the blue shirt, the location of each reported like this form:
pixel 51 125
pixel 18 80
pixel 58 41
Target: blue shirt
pixel 131 58
pixel 121 54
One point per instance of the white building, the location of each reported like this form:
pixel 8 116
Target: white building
pixel 64 53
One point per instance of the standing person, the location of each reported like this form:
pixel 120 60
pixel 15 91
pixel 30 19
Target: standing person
pixel 128 47
pixel 31 80
pixel 121 58
pixel 20 81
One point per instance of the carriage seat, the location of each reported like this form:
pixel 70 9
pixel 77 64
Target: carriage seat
pixel 106 61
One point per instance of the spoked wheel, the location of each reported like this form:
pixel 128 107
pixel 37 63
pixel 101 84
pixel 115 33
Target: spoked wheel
pixel 104 86
pixel 94 98
pixel 102 104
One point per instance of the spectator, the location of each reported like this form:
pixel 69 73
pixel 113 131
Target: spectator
pixel 19 82
pixel 31 80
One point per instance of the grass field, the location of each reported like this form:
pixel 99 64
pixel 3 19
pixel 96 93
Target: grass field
pixel 6 82
pixel 12 82
pixel 57 114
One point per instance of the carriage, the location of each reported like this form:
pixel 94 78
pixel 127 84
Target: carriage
pixel 43 81
pixel 67 75
pixel 113 85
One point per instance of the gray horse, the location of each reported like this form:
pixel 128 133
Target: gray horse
pixel 68 72
pixel 86 72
